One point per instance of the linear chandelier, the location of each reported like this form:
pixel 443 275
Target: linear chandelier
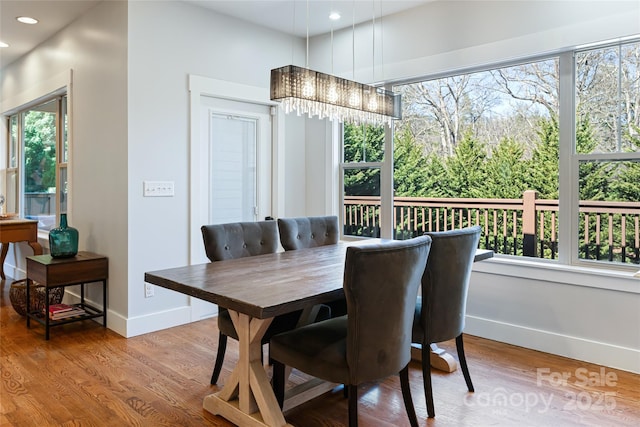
pixel 318 94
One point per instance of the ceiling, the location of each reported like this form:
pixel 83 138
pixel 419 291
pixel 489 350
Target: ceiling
pixel 54 15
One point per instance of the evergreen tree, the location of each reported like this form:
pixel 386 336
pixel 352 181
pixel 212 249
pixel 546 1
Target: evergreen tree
pixel 594 176
pixel 411 176
pixel 506 171
pixel 543 171
pixel 363 143
pixel 625 186
pixel 466 169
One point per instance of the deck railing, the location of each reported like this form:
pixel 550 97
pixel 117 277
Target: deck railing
pixel 525 227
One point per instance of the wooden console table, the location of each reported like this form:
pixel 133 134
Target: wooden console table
pixel 85 267
pixel 18 230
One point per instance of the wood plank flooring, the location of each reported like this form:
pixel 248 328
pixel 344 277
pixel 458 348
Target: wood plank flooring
pixel 86 375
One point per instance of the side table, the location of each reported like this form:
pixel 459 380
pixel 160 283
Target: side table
pixel 85 267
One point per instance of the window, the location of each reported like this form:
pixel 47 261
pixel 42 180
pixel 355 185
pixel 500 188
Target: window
pixel 545 173
pixel 363 154
pixel 37 161
pixel 607 152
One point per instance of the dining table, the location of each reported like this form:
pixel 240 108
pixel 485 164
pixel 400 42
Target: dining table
pixel 256 289
pixel 14 230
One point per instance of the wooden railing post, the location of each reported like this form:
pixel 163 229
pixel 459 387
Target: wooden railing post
pixel 529 224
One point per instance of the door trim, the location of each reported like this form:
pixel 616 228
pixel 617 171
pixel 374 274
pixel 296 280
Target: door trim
pixel 204 86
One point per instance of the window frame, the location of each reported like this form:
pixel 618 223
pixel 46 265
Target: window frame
pixel 568 161
pixel 61 97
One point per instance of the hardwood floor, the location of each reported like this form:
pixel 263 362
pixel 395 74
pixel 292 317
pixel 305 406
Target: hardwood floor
pixel 86 375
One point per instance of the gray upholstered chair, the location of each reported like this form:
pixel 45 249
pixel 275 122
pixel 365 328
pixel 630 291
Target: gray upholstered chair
pixel 310 232
pixel 237 240
pixel 440 311
pixel 364 345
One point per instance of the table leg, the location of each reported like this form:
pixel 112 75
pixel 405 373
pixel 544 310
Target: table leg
pixel 247 398
pixel 37 250
pixel 37 247
pixel 3 255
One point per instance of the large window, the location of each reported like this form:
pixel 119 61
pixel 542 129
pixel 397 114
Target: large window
pixel 37 162
pixel 545 173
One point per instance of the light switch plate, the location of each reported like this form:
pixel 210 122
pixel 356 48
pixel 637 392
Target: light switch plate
pixel 158 189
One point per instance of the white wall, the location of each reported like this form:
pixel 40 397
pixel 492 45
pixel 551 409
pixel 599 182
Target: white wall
pixel 168 41
pixel 587 315
pixel 95 48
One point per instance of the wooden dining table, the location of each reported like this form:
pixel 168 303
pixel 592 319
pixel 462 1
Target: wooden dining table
pixel 13 230
pixel 255 290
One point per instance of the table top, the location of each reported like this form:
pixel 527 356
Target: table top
pixel 7 219
pixel 268 285
pixel 262 286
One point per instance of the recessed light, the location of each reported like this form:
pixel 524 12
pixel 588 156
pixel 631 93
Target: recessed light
pixel 3 44
pixel 334 16
pixel 27 20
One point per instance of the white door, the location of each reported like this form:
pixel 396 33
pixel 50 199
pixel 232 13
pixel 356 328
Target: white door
pixel 235 138
pixel 238 135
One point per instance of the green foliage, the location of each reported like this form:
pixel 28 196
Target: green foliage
pixel 476 171
pixel 543 171
pixel 363 144
pixel 625 187
pixel 411 176
pixel 506 171
pixel 39 151
pixel 466 168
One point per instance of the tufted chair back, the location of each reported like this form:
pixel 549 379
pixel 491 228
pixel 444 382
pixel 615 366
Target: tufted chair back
pixel 308 232
pixel 239 239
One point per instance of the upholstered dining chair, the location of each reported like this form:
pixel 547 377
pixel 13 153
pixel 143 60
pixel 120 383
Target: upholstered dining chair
pixel 310 232
pixel 440 310
pixel 238 240
pixel 362 346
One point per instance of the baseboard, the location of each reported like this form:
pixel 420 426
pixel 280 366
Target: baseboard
pixel 133 326
pixel 626 359
pixel 139 325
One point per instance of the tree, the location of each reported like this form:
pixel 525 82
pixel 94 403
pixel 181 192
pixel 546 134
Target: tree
pixel 506 171
pixel 543 173
pixel 363 143
pixel 466 169
pixel 39 151
pixel 625 187
pixel 411 175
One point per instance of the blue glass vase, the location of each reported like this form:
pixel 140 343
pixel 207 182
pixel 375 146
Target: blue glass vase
pixel 63 240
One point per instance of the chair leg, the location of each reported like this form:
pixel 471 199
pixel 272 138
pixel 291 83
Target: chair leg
pixel 222 347
pixel 278 382
pixel 463 362
pixel 406 395
pixel 353 405
pixel 426 379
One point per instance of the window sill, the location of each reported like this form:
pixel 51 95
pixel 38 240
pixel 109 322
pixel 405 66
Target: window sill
pixel 592 277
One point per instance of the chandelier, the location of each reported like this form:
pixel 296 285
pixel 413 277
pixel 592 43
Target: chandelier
pixel 313 93
pixel 318 94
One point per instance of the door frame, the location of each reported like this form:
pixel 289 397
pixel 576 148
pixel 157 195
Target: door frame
pixel 198 205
